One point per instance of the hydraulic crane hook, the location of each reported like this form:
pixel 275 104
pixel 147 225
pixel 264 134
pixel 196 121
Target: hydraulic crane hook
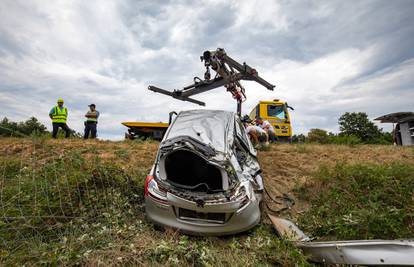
pixel 229 73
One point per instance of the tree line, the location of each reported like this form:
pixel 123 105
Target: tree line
pixel 354 128
pixel 29 127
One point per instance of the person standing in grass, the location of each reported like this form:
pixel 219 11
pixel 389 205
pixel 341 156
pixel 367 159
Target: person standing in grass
pixel 91 122
pixel 59 115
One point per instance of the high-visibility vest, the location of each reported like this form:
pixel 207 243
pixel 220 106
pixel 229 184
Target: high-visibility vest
pixel 59 115
pixel 92 119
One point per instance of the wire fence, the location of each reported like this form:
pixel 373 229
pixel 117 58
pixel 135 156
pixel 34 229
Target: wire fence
pixel 50 196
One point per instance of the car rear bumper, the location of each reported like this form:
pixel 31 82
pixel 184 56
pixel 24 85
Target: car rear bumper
pixel 236 221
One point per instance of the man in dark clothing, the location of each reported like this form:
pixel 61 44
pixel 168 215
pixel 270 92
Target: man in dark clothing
pixel 91 122
pixel 59 115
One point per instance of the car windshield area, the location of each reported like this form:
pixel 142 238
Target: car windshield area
pixel 277 111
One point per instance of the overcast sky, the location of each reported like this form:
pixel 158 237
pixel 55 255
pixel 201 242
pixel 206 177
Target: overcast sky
pixel 325 57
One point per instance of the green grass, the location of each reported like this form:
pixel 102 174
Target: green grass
pixel 301 148
pixel 362 201
pixel 72 207
pixel 48 209
pixel 259 247
pixel 70 202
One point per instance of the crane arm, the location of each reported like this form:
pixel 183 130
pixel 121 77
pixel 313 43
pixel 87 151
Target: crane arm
pixel 229 73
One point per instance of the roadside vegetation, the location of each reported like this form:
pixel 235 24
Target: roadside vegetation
pixel 31 126
pixel 360 201
pixel 354 128
pixel 71 202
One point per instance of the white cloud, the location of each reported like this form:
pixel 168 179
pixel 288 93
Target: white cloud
pixel 325 58
pixel 258 15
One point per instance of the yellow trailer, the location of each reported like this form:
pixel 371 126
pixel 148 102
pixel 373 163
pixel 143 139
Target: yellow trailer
pixel 153 130
pixel 276 112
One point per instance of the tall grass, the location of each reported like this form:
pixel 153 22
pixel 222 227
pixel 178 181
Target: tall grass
pixel 50 200
pixel 70 202
pixel 360 201
pixel 67 203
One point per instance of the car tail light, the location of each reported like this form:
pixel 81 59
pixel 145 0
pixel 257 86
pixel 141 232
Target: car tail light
pixel 147 181
pixel 243 198
pixel 152 190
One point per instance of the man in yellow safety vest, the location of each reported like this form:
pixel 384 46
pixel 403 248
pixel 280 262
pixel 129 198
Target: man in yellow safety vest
pixel 59 114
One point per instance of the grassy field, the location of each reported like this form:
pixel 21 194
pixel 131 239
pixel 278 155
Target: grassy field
pixel 71 202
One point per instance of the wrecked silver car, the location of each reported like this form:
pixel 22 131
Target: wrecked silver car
pixel 206 177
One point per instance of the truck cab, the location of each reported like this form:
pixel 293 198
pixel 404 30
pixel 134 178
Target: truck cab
pixel 276 112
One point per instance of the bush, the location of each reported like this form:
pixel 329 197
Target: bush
pixel 344 139
pixel 384 139
pixel 318 136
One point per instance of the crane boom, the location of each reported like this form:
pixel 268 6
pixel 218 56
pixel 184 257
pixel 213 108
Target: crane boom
pixel 229 73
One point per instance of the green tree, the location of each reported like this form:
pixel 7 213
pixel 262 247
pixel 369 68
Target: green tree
pixel 358 124
pixel 9 128
pixel 28 127
pixel 318 136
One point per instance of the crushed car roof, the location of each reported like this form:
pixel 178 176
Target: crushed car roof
pixel 211 127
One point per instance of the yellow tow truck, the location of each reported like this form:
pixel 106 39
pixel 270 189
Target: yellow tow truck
pixel 276 112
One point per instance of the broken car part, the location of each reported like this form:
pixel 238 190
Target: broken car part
pixel 355 252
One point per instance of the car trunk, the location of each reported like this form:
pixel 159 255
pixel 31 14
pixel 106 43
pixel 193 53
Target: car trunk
pixel 188 170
